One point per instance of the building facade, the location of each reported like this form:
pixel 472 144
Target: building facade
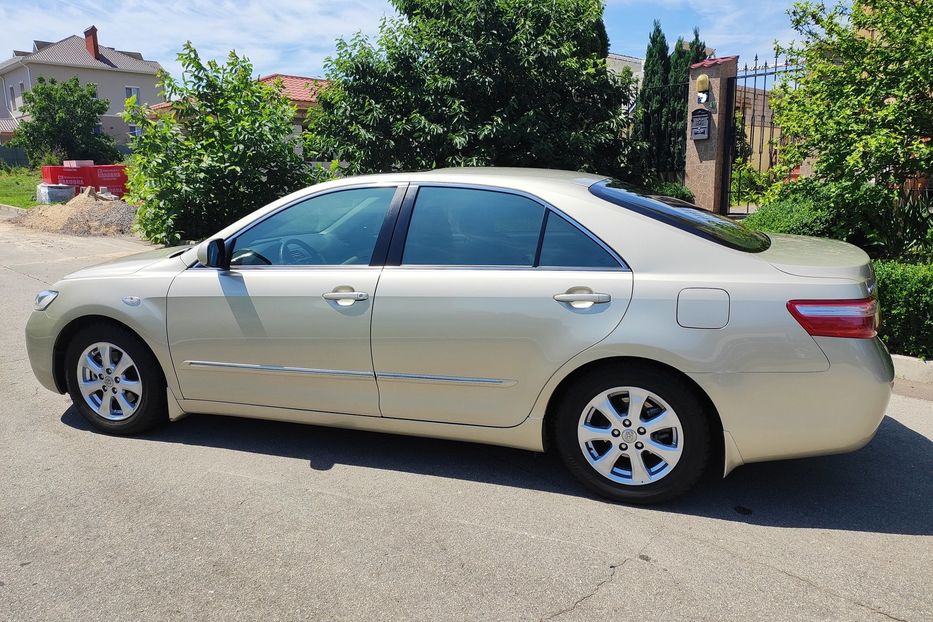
pixel 117 75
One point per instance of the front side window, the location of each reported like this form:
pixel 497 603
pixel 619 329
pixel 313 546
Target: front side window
pixel 338 228
pixel 132 91
pixel 468 227
pixel 12 99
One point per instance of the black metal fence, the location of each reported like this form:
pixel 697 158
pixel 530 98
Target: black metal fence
pixel 754 139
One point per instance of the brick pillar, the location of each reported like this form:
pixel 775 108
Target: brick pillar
pixel 706 158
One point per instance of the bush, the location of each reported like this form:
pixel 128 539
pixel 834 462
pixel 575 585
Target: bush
pixel 226 148
pixel 672 189
pixel 800 208
pixel 747 184
pixel 905 293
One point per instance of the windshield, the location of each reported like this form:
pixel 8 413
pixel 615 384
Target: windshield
pixel 683 215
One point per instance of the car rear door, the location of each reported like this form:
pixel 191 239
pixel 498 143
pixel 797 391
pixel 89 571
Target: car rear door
pixel 288 324
pixel 491 291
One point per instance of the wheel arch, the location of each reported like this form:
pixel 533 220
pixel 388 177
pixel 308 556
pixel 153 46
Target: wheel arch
pixel 68 332
pixel 713 419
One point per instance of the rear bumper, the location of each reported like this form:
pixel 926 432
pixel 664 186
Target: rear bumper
pixel 772 416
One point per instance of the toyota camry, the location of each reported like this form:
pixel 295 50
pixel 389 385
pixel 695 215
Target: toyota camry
pixel 642 338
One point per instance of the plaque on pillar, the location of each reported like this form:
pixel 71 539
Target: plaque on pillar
pixel 699 124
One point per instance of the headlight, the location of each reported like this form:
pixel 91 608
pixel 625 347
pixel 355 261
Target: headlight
pixel 44 299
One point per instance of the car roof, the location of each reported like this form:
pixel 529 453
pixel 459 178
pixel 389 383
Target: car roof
pixel 528 179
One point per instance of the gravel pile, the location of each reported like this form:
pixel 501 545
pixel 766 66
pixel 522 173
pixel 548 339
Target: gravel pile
pixel 86 214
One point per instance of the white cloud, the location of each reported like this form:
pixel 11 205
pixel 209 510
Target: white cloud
pixel 286 36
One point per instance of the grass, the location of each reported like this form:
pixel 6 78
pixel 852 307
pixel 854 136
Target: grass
pixel 18 186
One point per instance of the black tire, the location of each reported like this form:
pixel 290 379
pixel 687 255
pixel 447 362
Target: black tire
pixel 666 385
pixel 150 409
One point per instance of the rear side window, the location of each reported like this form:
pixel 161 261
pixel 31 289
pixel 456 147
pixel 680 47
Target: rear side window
pixel 468 227
pixel 683 215
pixel 565 246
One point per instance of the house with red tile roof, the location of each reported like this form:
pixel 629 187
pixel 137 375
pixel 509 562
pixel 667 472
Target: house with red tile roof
pixel 116 75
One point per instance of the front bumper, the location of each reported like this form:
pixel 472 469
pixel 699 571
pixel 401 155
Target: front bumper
pixel 772 416
pixel 40 346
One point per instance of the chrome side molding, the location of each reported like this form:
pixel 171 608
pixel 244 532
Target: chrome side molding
pixel 280 369
pixel 390 376
pixel 496 382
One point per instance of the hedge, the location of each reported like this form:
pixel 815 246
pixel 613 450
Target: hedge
pixel 905 293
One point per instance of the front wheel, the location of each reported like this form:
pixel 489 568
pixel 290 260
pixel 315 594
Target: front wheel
pixel 634 435
pixel 114 380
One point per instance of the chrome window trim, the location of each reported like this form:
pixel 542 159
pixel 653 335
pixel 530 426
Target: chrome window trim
pixel 504 267
pixel 623 266
pixel 291 268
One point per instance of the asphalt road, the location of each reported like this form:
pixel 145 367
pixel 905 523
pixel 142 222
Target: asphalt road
pixel 215 518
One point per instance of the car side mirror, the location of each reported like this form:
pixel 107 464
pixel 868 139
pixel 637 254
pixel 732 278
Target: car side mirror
pixel 213 254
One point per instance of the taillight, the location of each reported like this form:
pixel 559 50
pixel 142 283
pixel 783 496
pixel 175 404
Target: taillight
pixel 855 319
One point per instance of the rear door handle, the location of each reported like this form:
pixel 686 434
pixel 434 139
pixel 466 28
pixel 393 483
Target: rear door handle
pixel 594 298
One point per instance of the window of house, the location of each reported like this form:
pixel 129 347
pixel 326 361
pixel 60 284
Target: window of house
pixel 135 130
pixel 95 89
pixel 98 129
pixel 22 89
pixel 467 227
pixel 132 91
pixel 12 99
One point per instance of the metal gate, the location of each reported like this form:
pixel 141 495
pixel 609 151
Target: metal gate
pixel 753 140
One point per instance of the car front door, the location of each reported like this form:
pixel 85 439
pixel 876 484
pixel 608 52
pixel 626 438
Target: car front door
pixel 491 293
pixel 288 324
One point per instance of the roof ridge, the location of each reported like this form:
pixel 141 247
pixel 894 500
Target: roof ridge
pixel 291 75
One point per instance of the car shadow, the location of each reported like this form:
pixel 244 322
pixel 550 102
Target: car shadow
pixel 886 487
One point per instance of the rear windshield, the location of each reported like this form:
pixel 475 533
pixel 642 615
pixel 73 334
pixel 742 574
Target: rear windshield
pixel 682 215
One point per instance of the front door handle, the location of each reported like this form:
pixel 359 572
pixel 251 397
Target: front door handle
pixel 592 298
pixel 344 298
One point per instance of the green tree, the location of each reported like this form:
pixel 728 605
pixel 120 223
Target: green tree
pixel 487 82
pixel 227 147
pixel 863 106
pixel 683 55
pixel 653 112
pixel 863 110
pixel 63 120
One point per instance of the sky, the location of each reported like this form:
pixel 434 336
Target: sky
pixel 295 36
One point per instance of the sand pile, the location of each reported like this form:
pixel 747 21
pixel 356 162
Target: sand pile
pixel 87 214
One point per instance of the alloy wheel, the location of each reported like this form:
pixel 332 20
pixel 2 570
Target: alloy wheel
pixel 109 381
pixel 630 436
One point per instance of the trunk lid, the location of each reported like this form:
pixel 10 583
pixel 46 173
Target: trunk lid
pixel 817 257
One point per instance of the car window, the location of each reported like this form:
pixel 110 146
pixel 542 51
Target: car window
pixel 683 215
pixel 566 246
pixel 338 228
pixel 467 227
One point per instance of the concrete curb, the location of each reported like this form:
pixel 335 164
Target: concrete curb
pixel 12 211
pixel 913 369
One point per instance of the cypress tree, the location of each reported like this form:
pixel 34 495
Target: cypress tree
pixel 653 115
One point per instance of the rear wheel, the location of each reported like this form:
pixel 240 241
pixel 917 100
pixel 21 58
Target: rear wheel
pixel 114 380
pixel 632 434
